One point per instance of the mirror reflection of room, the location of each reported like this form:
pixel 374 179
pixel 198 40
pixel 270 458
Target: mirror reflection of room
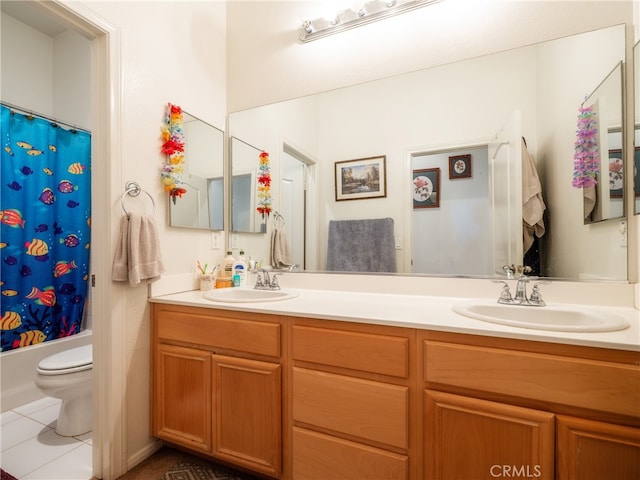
pixel 526 92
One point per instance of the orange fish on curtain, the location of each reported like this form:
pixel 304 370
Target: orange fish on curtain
pixel 45 229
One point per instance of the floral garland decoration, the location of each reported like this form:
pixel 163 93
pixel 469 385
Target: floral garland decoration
pixel 586 165
pixel 173 147
pixel 264 186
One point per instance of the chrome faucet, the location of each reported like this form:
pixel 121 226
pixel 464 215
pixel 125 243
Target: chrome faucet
pixel 521 298
pixel 265 281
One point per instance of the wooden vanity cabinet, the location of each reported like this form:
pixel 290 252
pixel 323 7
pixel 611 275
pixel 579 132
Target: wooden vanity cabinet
pixel 353 401
pixel 313 399
pixel 217 385
pixel 508 408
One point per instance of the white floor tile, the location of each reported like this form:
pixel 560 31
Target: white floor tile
pixel 47 416
pixel 9 416
pixel 75 465
pixel 36 452
pixel 19 431
pixel 30 408
pixel 86 438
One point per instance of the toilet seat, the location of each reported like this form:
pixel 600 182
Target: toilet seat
pixel 70 361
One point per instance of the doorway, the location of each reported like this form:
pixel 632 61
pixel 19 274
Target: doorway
pixel 297 200
pixel 106 446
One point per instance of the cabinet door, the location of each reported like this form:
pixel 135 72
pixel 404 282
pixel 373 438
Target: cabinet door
pixel 595 450
pixel 476 439
pixel 183 396
pixel 247 413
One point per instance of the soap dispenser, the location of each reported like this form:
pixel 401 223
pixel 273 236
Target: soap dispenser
pixel 239 272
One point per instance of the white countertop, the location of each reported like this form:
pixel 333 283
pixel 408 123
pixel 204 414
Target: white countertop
pixel 416 311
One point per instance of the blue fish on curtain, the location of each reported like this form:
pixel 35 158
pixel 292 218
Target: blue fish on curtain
pixel 45 229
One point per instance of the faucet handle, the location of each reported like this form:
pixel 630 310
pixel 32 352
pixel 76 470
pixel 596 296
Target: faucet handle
pixel 509 270
pixel 524 270
pixel 536 296
pixel 259 282
pixel 274 282
pixel 505 293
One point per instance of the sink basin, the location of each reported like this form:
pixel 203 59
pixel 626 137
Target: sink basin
pixel 245 295
pixel 552 318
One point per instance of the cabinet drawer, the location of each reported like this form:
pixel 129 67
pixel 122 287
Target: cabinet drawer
pixel 591 384
pixel 320 457
pixel 383 354
pixel 261 338
pixel 365 409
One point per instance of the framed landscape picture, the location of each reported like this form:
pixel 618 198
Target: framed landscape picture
pixel 361 178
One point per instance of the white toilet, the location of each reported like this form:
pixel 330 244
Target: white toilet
pixel 67 376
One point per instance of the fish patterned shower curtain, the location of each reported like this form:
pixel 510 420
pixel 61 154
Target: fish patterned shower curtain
pixel 45 229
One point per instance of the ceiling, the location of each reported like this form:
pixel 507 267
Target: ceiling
pixel 29 14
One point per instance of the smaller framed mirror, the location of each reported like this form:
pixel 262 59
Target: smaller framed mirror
pixel 600 141
pixel 202 206
pixel 244 176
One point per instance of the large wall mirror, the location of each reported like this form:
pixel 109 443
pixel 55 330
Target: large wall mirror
pixel 202 206
pixel 494 111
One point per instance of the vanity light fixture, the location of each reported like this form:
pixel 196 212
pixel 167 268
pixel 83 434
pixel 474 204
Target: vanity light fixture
pixel 370 11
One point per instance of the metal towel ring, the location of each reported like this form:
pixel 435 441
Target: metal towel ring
pixel 133 190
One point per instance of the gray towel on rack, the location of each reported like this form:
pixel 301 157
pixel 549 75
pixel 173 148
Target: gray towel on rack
pixel 137 256
pixel 361 246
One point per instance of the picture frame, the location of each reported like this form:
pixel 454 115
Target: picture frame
pixel 636 171
pixel 459 166
pixel 426 188
pixel 361 178
pixel 616 176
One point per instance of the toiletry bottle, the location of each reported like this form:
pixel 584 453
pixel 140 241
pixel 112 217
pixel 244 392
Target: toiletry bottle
pixel 241 256
pixel 239 269
pixel 228 264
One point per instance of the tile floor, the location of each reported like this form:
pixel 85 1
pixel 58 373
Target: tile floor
pixel 31 449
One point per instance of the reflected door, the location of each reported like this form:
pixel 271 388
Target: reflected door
pixel 293 206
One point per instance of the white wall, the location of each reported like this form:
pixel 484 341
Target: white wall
pixel 49 75
pixel 170 52
pixel 264 48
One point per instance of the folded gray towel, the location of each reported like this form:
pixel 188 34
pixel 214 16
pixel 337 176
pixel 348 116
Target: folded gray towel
pixel 361 245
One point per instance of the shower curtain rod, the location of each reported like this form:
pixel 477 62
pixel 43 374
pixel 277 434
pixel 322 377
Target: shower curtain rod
pixel 45 117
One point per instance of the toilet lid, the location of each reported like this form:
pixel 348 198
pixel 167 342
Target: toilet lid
pixel 69 361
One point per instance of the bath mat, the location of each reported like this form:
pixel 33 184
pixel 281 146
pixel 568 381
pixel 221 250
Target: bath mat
pixel 6 476
pixel 192 471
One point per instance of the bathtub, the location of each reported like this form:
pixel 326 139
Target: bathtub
pixel 18 368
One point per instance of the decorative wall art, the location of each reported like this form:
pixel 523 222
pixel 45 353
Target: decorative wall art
pixel 426 188
pixel 616 177
pixel 173 148
pixel 459 166
pixel 361 178
pixel 636 170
